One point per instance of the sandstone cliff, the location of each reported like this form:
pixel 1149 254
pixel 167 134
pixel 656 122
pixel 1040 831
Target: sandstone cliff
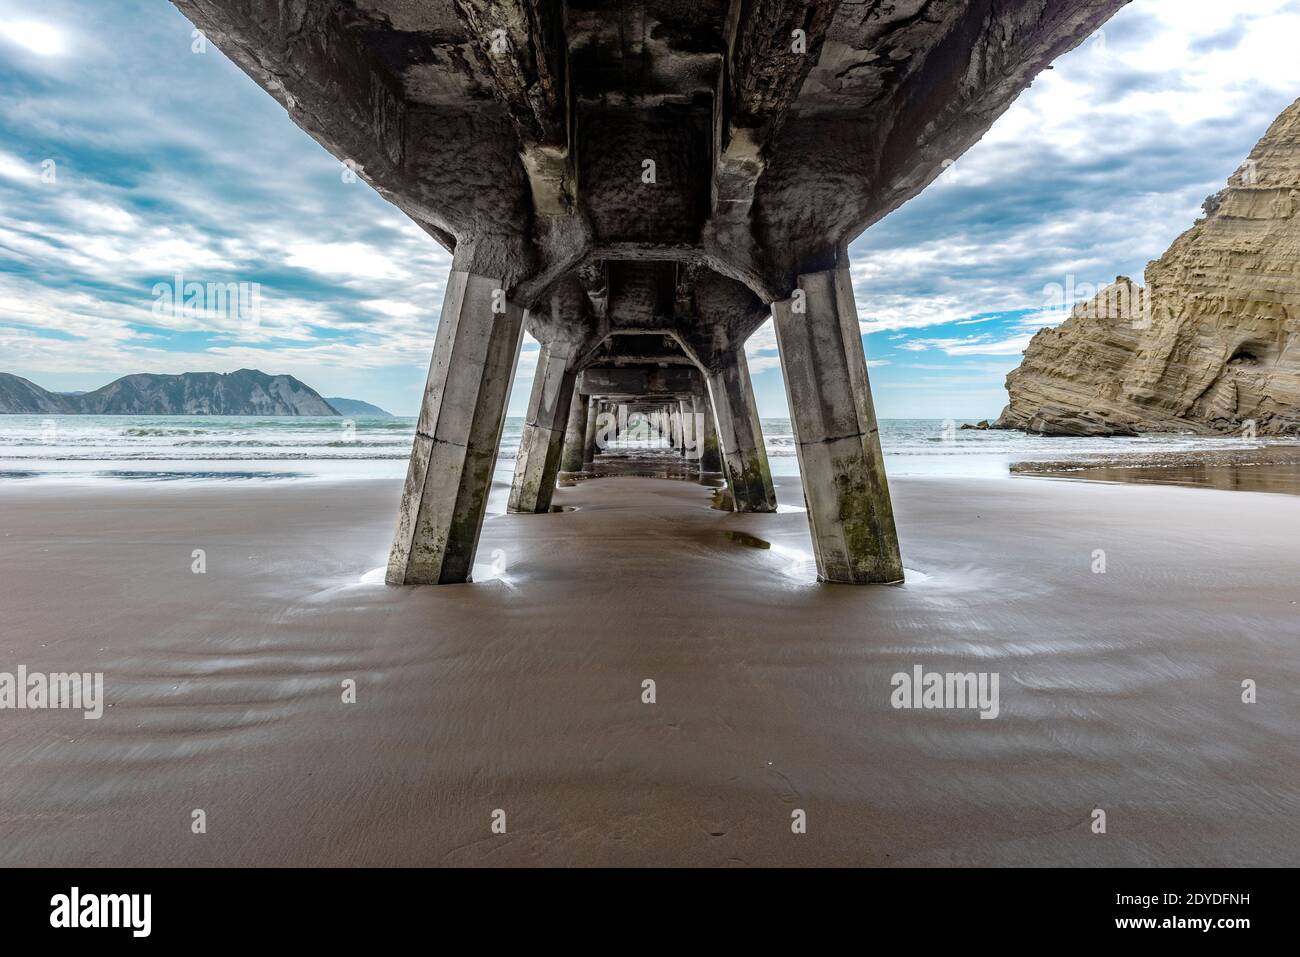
pixel 1211 344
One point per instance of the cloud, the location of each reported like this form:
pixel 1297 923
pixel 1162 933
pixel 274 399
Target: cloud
pixel 40 38
pixel 343 261
pixel 12 168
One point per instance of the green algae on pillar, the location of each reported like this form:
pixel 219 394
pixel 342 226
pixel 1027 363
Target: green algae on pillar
pixel 740 436
pixel 834 419
pixel 710 457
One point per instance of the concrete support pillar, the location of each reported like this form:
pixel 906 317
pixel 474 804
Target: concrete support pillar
pixel 456 438
pixel 682 411
pixel 589 440
pixel 710 457
pixel 740 436
pixel 575 436
pixel 835 433
pixel 537 465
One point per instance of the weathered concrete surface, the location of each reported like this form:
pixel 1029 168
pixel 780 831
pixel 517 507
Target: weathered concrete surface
pixel 685 429
pixel 594 411
pixel 575 436
pixel 457 434
pixel 639 381
pixel 710 457
pixel 541 444
pixel 835 434
pixel 671 167
pixel 740 437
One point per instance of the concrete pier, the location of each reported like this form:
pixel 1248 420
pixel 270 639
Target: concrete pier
pixel 835 433
pixel 457 434
pixel 710 457
pixel 656 180
pixel 575 437
pixel 594 411
pixel 537 464
pixel 740 437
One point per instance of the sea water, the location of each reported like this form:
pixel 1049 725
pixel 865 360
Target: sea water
pixel 120 448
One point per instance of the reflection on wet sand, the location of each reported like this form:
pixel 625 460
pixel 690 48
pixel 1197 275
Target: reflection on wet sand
pixel 634 462
pixel 1283 478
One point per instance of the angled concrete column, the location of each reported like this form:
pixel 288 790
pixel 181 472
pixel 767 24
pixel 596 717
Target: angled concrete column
pixel 589 441
pixel 537 465
pixel 575 436
pixel 457 435
pixel 710 457
pixel 740 437
pixel 835 433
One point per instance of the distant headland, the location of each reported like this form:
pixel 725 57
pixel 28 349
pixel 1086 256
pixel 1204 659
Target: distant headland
pixel 246 392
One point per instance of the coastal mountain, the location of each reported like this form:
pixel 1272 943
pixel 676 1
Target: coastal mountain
pixel 357 407
pixel 19 395
pixel 246 392
pixel 1210 345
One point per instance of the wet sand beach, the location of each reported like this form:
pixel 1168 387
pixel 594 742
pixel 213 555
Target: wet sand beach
pixel 1270 468
pixel 1118 690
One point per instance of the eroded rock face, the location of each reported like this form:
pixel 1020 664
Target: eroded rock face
pixel 1211 344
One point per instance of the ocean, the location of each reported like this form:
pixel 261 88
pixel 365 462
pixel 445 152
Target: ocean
pixel 97 448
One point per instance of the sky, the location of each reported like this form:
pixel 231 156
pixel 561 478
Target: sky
pixel 132 153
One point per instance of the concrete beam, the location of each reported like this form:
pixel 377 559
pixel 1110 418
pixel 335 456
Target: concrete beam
pixel 520 44
pixel 640 381
pixel 845 487
pixel 537 465
pixel 457 434
pixel 767 65
pixel 740 436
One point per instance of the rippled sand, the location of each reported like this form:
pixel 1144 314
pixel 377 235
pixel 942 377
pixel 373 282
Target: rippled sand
pixel 523 692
